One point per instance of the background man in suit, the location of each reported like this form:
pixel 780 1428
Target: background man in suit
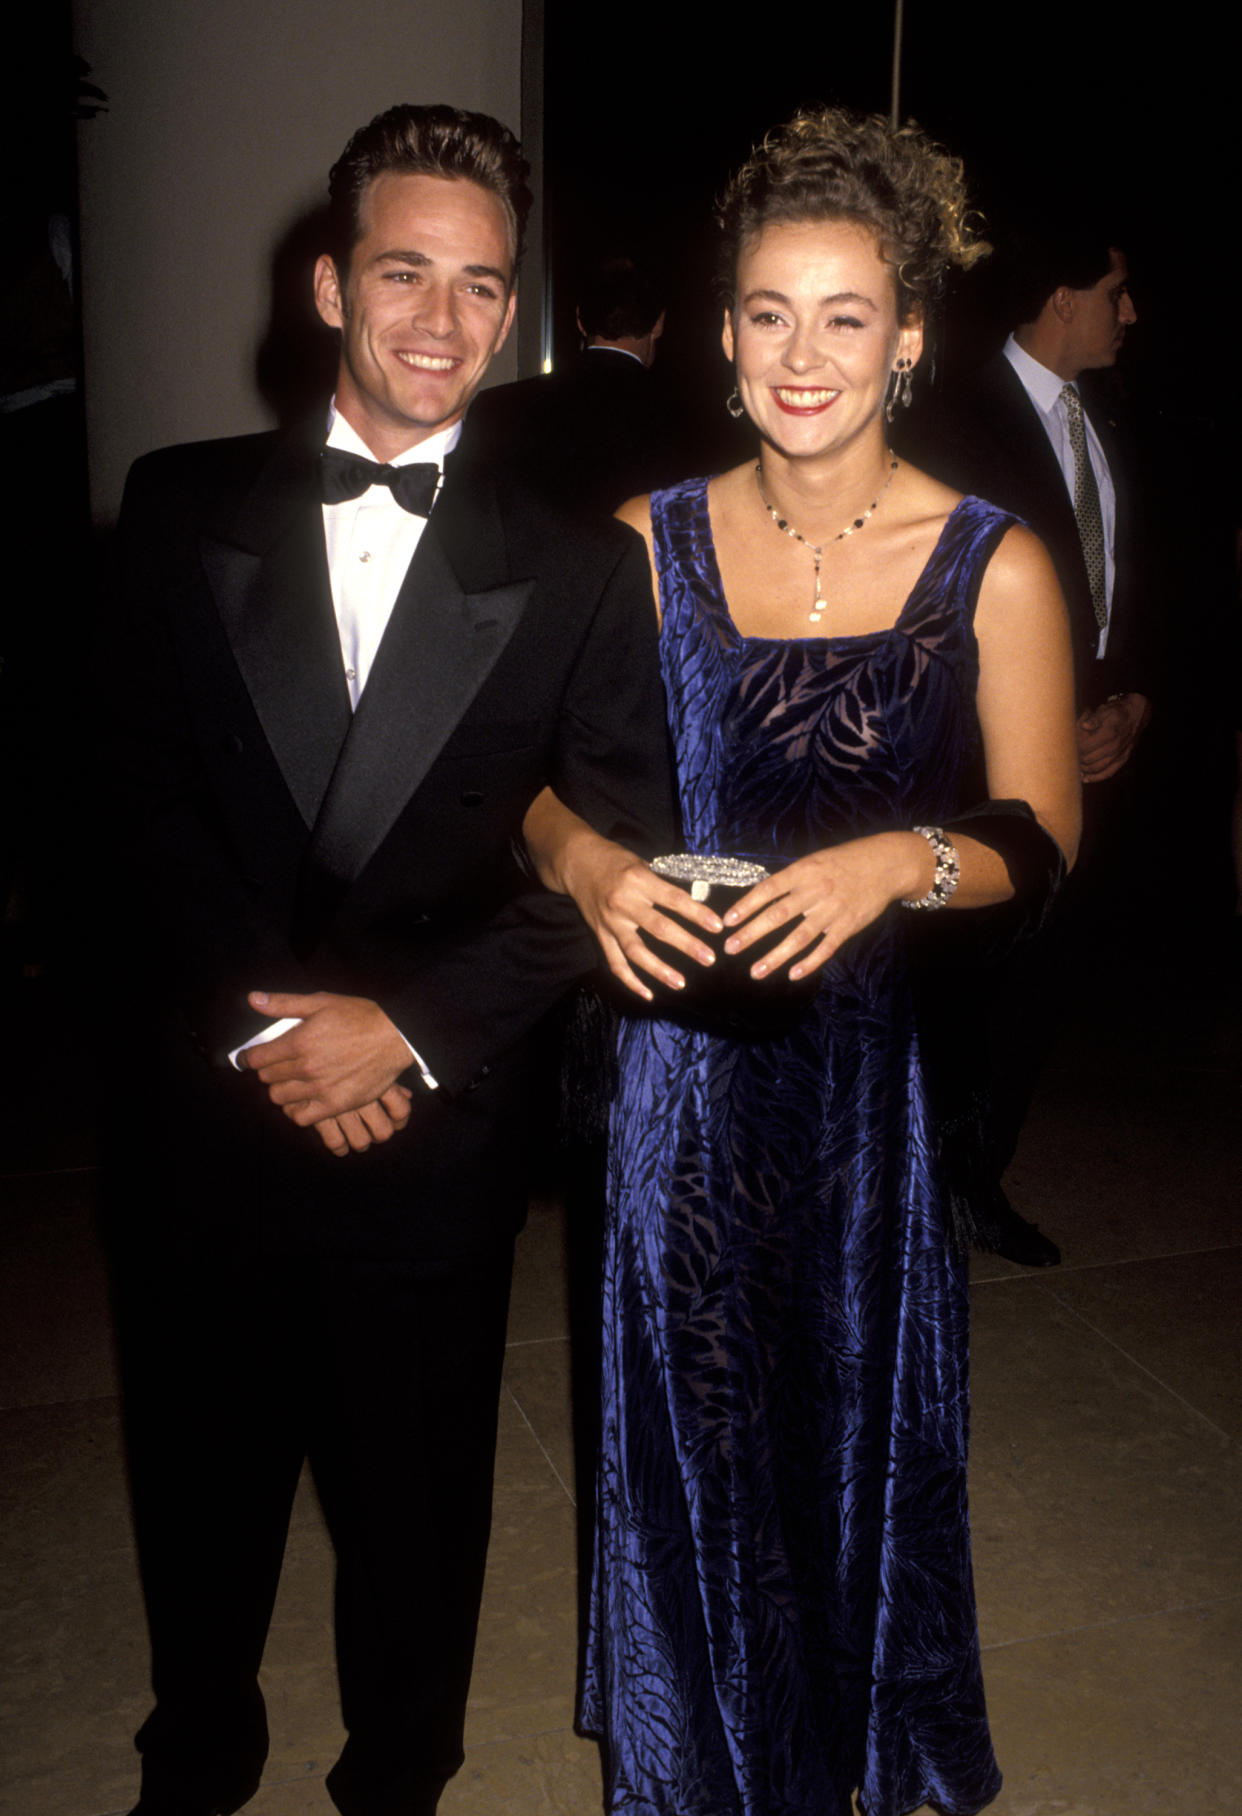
pixel 341 676
pixel 602 430
pixel 1029 433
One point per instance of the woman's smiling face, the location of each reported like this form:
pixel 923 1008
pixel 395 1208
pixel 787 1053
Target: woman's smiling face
pixel 813 333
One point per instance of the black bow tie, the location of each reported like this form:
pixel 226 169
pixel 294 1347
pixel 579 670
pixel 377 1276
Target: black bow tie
pixel 343 476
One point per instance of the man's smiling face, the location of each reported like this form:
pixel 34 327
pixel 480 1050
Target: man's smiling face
pixel 427 301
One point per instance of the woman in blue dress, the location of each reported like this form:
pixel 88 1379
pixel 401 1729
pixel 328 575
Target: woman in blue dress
pixel 782 1608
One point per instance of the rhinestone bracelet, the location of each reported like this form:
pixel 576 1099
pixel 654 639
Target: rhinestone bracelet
pixel 947 869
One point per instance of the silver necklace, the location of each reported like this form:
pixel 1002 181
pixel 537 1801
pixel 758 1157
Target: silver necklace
pixel 817 548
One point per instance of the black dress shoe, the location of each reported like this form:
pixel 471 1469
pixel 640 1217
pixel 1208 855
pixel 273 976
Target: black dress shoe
pixel 1016 1239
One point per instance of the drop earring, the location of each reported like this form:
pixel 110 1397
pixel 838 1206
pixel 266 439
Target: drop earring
pixel 900 389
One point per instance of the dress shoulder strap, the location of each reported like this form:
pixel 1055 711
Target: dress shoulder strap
pixel 685 557
pixel 947 591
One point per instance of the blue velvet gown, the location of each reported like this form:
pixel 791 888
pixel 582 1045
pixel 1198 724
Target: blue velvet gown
pixel 783 1611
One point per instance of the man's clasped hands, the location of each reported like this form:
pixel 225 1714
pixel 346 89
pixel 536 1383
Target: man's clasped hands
pixel 337 1071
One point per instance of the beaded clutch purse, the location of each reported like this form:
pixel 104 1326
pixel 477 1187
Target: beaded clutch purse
pixel 724 997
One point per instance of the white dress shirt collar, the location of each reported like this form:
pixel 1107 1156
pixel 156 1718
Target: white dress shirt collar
pixel 433 449
pixel 623 351
pixel 1041 385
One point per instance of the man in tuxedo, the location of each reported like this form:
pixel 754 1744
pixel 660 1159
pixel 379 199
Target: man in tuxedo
pixel 602 430
pixel 340 676
pixel 1029 433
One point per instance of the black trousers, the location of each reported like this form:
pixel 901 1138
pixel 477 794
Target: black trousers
pixel 235 1372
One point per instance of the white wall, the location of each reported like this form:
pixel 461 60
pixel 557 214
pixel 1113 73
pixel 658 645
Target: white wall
pixel 224 119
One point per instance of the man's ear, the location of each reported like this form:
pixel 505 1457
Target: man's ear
pixel 329 294
pixel 1063 302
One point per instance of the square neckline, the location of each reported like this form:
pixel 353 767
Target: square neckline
pixel 841 637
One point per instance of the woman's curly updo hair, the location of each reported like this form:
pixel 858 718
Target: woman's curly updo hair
pixel 828 164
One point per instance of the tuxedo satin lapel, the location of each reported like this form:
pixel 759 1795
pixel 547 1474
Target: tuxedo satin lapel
pixel 441 644
pixel 268 573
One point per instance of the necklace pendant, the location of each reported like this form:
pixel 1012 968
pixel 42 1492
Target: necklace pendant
pixel 816 549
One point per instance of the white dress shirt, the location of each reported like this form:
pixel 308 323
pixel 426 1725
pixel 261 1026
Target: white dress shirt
pixel 370 543
pixel 1044 390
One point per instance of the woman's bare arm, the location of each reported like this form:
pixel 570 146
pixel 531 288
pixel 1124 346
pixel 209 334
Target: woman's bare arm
pixel 1026 688
pixel 616 892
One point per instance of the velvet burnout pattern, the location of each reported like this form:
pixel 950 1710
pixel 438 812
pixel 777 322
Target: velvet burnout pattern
pixel 783 1611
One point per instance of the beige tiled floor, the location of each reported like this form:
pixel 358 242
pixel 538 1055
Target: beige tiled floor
pixel 1106 1478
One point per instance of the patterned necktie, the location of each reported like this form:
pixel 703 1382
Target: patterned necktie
pixel 1086 504
pixel 344 476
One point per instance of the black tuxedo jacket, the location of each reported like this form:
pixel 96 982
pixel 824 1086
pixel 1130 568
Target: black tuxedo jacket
pixel 988 439
pixel 588 437
pixel 267 838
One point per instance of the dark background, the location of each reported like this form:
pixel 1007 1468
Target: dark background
pixel 647 114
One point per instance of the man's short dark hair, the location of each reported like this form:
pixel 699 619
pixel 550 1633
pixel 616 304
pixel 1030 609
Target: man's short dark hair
pixel 618 299
pixel 1041 253
pixel 432 141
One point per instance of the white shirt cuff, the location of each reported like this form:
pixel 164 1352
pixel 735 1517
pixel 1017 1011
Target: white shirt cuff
pixel 257 1040
pixel 295 1021
pixel 432 1083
